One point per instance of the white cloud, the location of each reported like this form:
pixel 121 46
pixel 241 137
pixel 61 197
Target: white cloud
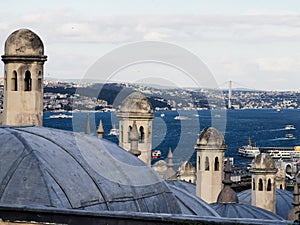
pixel 66 25
pixel 3 26
pixel 62 28
pixel 279 64
pixel 154 36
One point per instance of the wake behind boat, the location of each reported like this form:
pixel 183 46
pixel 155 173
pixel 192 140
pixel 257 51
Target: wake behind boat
pixel 60 116
pixel 181 118
pixel 248 151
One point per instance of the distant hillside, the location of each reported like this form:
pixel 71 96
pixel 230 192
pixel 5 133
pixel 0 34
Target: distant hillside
pixel 113 93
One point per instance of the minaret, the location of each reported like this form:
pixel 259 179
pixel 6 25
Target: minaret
pixel 227 195
pixel 170 158
pixel 87 125
pixel 294 213
pixel 23 79
pixel 134 140
pixel 100 130
pixel 229 94
pixel 136 107
pixel 263 182
pixel 210 149
pixel 170 172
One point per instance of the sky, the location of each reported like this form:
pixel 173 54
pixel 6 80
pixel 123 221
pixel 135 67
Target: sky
pixel 254 43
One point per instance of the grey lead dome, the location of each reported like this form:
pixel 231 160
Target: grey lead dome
pixel 283 201
pixel 52 168
pixel 24 42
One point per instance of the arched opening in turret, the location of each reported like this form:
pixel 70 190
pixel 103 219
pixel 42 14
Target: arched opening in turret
pixel 269 185
pixel 206 164
pixel 14 81
pixel 253 184
pixel 129 131
pixel 288 169
pixel 142 134
pixel 199 162
pixel 281 186
pixel 260 184
pixel 39 83
pixel 217 164
pixel 27 81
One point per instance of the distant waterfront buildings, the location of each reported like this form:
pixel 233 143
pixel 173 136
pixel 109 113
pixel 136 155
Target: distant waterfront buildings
pixel 59 96
pixel 62 95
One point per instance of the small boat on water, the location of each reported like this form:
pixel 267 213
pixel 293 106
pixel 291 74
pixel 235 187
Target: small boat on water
pixel 248 151
pixel 181 118
pixel 114 131
pixel 289 127
pixel 289 136
pixel 60 116
pixel 156 154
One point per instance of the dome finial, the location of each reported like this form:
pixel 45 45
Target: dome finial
pixel 100 130
pixel 227 194
pixel 87 125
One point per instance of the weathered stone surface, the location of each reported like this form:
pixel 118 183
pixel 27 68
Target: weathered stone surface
pixel 23 79
pixel 263 162
pixel 211 137
pixel 136 103
pixel 24 42
pixel 136 108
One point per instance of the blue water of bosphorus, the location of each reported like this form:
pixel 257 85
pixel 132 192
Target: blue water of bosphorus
pixel 264 126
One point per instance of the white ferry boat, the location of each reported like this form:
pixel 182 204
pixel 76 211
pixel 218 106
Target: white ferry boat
pixel 248 151
pixel 289 136
pixel 114 131
pixel 282 152
pixel 156 154
pixel 289 127
pixel 60 116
